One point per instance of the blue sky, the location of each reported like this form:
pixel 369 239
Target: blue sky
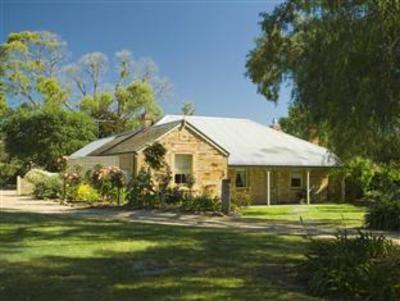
pixel 200 45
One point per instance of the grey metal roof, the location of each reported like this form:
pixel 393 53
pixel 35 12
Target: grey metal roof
pixel 136 142
pixel 118 139
pixel 91 147
pixel 247 142
pixel 251 143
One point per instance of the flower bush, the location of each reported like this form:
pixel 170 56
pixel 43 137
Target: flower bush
pixel 141 192
pixel 108 181
pixel 71 181
pixel 85 192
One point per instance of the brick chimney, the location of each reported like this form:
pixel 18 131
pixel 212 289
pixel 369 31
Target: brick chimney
pixel 146 119
pixel 313 137
pixel 275 125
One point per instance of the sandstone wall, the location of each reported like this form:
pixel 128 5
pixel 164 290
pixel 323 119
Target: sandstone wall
pixel 209 165
pixel 281 190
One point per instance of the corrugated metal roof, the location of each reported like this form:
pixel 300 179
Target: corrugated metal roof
pixel 251 143
pixel 117 140
pixel 136 142
pixel 91 147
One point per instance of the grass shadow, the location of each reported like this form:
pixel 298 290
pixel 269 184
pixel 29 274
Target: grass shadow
pixel 64 258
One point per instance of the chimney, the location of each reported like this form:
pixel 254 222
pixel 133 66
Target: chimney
pixel 313 137
pixel 275 125
pixel 146 120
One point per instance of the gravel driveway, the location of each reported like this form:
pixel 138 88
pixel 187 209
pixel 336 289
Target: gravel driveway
pixel 9 201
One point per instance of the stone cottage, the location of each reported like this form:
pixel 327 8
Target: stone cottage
pixel 272 166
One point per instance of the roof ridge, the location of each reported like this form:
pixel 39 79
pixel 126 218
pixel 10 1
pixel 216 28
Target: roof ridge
pixel 202 116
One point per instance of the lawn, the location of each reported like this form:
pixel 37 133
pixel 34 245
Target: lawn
pixel 53 257
pixel 325 214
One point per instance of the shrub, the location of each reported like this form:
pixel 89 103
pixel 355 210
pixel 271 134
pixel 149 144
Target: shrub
pixel 203 202
pixel 37 175
pixel 358 173
pixel 240 199
pixel 386 181
pixel 108 181
pixel 71 180
pixel 384 214
pixel 48 188
pixel 173 196
pixel 85 192
pixel 367 266
pixel 141 193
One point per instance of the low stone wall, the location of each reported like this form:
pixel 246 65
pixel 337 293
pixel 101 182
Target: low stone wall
pixel 24 187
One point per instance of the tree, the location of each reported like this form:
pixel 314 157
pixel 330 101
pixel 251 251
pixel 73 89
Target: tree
pixel 299 123
pixel 117 106
pixel 188 108
pixel 3 100
pixel 34 72
pixel 43 136
pixel 342 58
pixel 29 60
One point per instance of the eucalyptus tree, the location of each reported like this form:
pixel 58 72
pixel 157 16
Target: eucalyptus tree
pixel 117 105
pixel 31 62
pixel 35 71
pixel 343 60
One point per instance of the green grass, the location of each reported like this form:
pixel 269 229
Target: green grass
pixel 49 257
pixel 325 214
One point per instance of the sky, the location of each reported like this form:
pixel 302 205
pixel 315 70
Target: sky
pixel 201 46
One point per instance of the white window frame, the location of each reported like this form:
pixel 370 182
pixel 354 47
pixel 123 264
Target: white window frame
pixel 296 175
pixel 246 177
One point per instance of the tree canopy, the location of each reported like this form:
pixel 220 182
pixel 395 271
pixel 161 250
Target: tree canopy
pixel 343 59
pixel 35 71
pixel 43 136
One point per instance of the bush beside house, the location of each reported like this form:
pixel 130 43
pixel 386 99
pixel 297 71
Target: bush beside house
pixel 364 267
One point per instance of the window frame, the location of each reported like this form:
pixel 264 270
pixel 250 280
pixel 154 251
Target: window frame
pixel 246 178
pixel 296 175
pixel 183 183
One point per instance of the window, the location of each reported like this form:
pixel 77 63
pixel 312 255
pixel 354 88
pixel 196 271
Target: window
pixel 241 178
pixel 296 180
pixel 183 168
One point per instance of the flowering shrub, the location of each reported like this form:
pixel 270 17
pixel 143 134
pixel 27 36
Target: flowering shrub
pixel 72 178
pixel 85 192
pixel 108 181
pixel 61 163
pixel 71 181
pixel 141 191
